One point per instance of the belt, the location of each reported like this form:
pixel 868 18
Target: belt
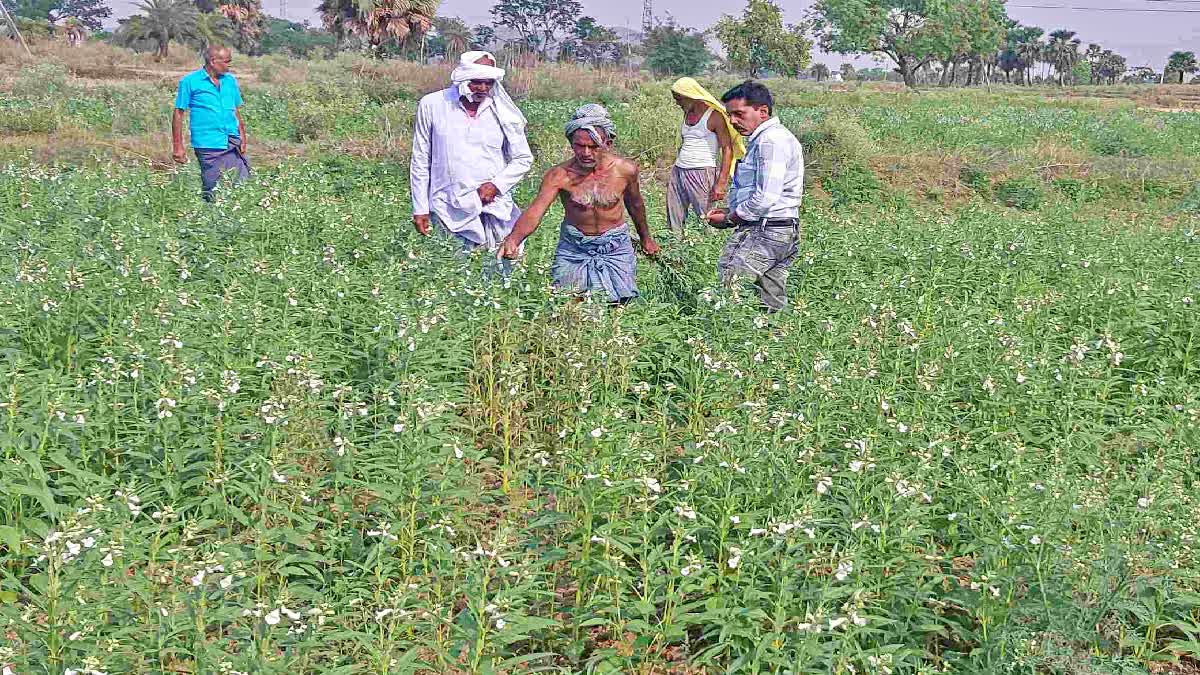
pixel 778 222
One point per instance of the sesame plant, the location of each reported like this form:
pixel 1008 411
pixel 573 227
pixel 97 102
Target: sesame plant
pixel 284 434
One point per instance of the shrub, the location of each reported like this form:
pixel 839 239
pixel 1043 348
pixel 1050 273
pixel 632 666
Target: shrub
pixel 974 178
pixel 1026 193
pixel 834 145
pixel 853 184
pixel 28 119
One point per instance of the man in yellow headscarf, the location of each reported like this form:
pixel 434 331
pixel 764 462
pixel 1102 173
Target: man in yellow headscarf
pixel 708 147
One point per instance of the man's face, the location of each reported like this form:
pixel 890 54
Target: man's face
pixel 480 89
pixel 220 61
pixel 681 101
pixel 746 118
pixel 587 150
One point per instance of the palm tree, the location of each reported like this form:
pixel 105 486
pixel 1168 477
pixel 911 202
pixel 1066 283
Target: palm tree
pixel 160 22
pixel 1062 52
pixel 214 29
pixel 378 21
pixel 1181 62
pixel 1094 54
pixel 820 71
pixel 248 19
pixel 456 36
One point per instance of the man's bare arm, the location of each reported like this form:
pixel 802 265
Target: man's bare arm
pixel 636 206
pixel 241 129
pixel 177 136
pixel 532 217
pixel 725 143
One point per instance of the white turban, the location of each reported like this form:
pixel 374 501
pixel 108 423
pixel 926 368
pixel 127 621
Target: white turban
pixel 468 70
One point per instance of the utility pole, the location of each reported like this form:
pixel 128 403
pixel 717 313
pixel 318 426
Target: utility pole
pixel 647 18
pixel 16 31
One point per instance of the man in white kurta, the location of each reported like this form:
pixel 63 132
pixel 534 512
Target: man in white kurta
pixel 468 153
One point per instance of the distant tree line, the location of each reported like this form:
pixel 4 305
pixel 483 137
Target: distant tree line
pixel 926 42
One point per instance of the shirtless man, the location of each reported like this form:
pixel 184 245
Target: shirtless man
pixel 597 187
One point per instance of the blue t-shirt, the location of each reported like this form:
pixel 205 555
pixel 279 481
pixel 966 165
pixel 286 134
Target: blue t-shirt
pixel 212 108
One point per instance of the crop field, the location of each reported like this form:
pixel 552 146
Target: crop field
pixel 283 434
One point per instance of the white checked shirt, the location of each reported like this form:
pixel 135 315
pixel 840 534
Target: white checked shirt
pixel 769 180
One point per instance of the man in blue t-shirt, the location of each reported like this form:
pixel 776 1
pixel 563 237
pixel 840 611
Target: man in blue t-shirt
pixel 212 98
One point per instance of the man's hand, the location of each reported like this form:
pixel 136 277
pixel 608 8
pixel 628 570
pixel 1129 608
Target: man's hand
pixel 242 147
pixel 717 217
pixel 510 248
pixel 718 193
pixel 488 193
pixel 179 155
pixel 421 222
pixel 649 246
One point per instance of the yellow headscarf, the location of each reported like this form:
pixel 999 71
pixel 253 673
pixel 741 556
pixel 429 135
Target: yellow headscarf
pixel 689 88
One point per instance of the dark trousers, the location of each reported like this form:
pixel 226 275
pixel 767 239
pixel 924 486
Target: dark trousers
pixel 215 163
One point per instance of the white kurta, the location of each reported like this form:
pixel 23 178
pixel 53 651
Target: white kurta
pixel 453 154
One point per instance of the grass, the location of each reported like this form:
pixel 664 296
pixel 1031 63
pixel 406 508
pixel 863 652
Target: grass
pixel 284 434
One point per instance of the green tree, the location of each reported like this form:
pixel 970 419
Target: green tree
pixel 449 38
pixel 965 31
pixel 820 72
pixel 541 24
pixel 483 37
pixel 1092 56
pixel 1022 49
pixel 591 43
pixel 1062 52
pixel 1179 63
pixel 90 13
pixel 379 22
pixel 212 28
pixel 898 29
pixel 673 50
pixel 159 22
pixel 847 72
pixel 295 39
pixel 1110 67
pixel 248 21
pixel 759 41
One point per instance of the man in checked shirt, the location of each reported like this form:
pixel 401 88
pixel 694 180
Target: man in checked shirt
pixel 764 203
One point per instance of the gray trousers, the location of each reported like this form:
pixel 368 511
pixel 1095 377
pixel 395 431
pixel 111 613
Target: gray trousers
pixel 215 163
pixel 761 256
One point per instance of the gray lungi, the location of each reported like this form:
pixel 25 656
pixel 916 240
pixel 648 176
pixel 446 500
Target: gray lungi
pixel 602 263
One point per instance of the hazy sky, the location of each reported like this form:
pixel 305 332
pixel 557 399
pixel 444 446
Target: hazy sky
pixel 1142 37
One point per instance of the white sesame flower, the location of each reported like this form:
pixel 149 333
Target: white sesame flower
pixel 1035 540
pixel 272 617
pixel 757 532
pixel 199 578
pixel 1144 502
pixel 834 624
pixel 107 561
pixel 227 581
pixel 844 569
pixel 735 520
pixel 88 542
pixel 278 477
pixel 500 623
pixel 685 511
pixel 597 432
